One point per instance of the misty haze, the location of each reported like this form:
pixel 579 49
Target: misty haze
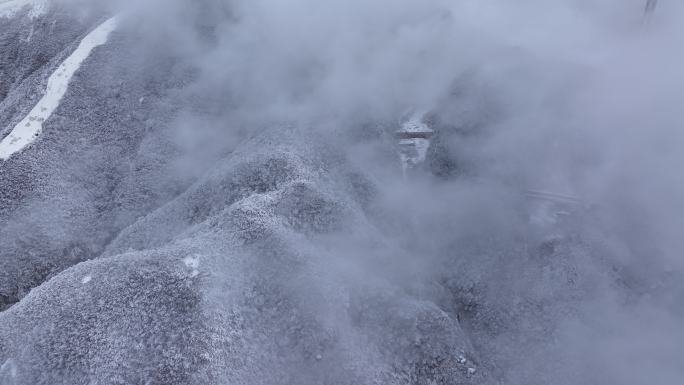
pixel 341 192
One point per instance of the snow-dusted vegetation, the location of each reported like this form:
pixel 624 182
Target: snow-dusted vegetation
pixel 341 192
pixel 10 8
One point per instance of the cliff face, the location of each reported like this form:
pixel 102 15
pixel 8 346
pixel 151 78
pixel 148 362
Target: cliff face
pixel 185 199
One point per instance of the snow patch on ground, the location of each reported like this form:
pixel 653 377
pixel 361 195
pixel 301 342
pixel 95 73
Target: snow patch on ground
pixel 86 279
pixel 192 263
pixel 9 8
pixel 31 126
pixel 8 369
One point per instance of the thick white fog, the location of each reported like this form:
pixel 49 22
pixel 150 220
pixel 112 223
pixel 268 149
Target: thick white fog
pixel 579 99
pixel 582 98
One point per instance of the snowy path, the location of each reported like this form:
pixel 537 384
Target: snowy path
pixel 31 126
